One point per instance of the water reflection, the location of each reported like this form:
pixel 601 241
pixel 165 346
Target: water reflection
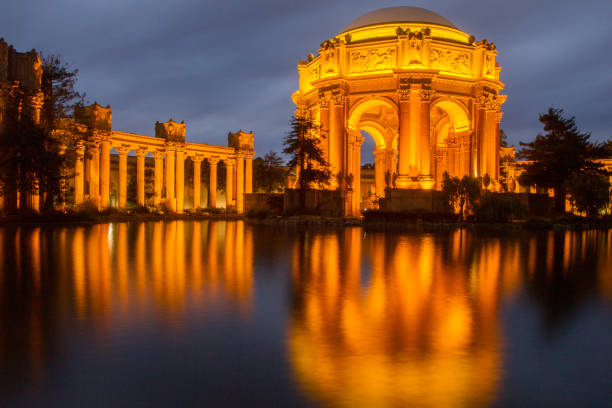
pixel 112 279
pixel 372 319
pixel 414 320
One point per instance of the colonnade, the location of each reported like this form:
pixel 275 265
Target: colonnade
pixel 92 169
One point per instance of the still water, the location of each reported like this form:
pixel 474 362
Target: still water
pixel 218 313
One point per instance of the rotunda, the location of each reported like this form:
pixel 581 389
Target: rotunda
pixel 424 90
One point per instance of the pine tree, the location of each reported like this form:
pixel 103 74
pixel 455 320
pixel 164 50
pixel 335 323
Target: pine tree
pixel 302 145
pixel 560 152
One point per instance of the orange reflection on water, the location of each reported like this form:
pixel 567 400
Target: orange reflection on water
pixel 415 323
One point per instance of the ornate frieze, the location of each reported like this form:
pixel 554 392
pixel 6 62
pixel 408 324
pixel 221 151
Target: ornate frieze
pixel 374 59
pixel 314 73
pixel 450 61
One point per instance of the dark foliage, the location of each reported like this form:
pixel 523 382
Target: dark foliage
pixel 269 174
pixel 498 208
pixel 302 146
pixel 560 152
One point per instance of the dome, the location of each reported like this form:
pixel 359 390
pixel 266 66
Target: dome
pixel 403 14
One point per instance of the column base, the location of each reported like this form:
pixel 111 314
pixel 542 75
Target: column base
pixel 415 183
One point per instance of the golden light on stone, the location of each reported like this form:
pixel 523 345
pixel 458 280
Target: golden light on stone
pixel 21 74
pixel 426 92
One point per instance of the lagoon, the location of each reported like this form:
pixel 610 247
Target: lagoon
pixel 225 313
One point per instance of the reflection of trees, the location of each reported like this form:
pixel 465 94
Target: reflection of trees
pixel 566 269
pixel 111 275
pixel 415 323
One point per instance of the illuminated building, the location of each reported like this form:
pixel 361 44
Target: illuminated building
pixel 425 91
pixel 20 85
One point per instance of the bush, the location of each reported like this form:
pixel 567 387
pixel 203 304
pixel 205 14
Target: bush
pixel 496 208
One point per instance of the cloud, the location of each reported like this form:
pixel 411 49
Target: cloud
pixel 223 66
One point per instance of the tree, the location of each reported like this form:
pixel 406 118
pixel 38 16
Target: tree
pixel 302 145
pixel 503 138
pixel 269 174
pixel 588 191
pixel 555 156
pixel 37 156
pixel 460 192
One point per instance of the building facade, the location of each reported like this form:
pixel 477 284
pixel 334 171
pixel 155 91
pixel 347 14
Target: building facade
pixel 426 92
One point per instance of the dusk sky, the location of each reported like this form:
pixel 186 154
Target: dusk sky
pixel 226 65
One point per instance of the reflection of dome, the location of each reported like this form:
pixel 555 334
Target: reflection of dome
pixel 399 15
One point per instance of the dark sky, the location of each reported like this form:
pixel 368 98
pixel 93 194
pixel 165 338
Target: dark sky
pixel 229 65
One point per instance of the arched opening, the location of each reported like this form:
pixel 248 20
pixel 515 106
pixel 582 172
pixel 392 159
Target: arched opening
pixel 373 123
pixel 450 134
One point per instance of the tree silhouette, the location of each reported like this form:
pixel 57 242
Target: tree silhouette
pixel 302 146
pixel 556 155
pixel 269 174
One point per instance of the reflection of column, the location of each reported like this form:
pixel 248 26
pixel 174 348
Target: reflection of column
pixel 229 182
pixel 170 179
pixel 123 151
pixel 248 177
pixel 140 176
pixel 180 180
pixel 239 184
pixel 212 183
pixel 157 185
pixel 197 161
pixel 404 139
pixel 94 167
pixel 105 148
pixel 78 174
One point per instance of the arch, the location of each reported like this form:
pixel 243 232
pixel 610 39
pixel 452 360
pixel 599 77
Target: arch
pixel 377 131
pixel 365 104
pixel 456 111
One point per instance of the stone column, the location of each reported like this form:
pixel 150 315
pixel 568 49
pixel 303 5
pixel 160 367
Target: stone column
pixel 425 176
pixel 159 177
pixel 197 184
pixel 94 168
pixel 79 173
pixel 324 122
pixel 403 179
pixel 229 182
pixel 379 172
pixel 240 184
pixel 180 181
pixel 212 185
pixel 357 142
pixel 140 176
pixel 248 176
pixel 170 179
pixel 105 148
pixel 487 136
pixel 336 139
pixel 123 151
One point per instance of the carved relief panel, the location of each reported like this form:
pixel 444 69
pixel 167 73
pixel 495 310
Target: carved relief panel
pixel 450 61
pixel 374 59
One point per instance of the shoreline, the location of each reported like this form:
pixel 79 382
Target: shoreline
pixel 303 221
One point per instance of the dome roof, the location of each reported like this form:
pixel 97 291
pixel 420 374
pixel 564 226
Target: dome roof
pixel 402 14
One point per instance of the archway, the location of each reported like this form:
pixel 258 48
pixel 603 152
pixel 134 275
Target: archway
pixel 450 139
pixel 376 117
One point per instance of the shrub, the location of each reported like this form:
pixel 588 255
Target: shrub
pixel 497 208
